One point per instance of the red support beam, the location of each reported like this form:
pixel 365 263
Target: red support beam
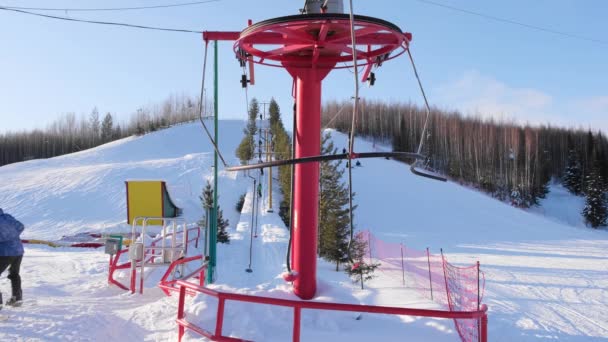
pixel 221 35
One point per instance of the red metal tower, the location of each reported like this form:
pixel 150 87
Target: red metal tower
pixel 309 46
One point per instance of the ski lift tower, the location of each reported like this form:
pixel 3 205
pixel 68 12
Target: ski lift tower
pixel 309 46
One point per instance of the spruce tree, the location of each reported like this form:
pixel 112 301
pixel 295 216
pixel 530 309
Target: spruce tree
pixel 573 174
pixel 246 149
pixel 222 224
pixel 334 218
pixel 596 203
pixel 106 128
pixel 358 269
pixel 274 113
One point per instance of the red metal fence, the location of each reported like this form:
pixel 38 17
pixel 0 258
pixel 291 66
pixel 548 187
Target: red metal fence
pixel 115 264
pixel 297 306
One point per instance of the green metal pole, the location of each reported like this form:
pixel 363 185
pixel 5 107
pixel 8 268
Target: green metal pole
pixel 213 230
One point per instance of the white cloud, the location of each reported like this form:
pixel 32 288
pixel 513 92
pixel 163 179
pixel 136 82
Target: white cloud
pixel 477 94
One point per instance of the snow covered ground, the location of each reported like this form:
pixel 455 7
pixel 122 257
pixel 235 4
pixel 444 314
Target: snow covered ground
pixel 546 277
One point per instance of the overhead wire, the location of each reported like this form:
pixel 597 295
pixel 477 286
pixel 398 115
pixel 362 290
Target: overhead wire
pixel 513 22
pixel 201 107
pixel 351 141
pixel 194 3
pixel 100 22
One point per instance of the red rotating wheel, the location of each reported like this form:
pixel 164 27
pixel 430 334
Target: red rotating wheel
pixel 320 40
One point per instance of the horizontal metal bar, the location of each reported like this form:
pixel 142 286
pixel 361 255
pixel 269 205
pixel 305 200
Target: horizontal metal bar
pixel 322 158
pixel 221 35
pixel 427 174
pixel 338 306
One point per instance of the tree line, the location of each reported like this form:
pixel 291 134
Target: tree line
pixel 71 133
pixel 514 163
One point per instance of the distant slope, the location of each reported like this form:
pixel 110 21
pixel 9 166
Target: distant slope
pixel 544 279
pixel 85 191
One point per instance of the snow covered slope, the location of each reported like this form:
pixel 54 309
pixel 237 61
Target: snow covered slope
pixel 544 279
pixel 85 191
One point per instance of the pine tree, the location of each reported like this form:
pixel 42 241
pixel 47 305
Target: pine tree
pixel 222 224
pixel 572 175
pixel 358 269
pixel 596 206
pixel 246 149
pixel 274 113
pixel 94 125
pixel 107 128
pixel 334 218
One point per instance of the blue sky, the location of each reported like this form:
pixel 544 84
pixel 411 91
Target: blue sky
pixel 469 63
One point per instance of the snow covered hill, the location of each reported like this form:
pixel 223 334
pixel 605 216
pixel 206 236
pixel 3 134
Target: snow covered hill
pixel 85 191
pixel 544 279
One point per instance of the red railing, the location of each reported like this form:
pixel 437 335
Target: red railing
pixel 167 285
pixel 297 306
pixel 114 260
pixel 114 265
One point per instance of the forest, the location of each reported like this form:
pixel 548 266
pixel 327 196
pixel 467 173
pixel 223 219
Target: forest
pixel 511 162
pixel 71 133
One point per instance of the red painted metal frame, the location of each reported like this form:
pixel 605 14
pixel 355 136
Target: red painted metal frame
pixel 114 265
pixel 321 42
pixel 309 47
pixel 167 285
pixel 297 305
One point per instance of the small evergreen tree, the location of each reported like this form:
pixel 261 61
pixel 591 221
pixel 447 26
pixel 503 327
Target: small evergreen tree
pixel 573 174
pixel 246 149
pixel 334 218
pixel 596 206
pixel 358 269
pixel 222 224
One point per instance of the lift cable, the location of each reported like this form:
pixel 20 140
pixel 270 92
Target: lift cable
pixel 425 127
pixel 351 140
pixel 101 22
pixel 217 150
pixel 110 9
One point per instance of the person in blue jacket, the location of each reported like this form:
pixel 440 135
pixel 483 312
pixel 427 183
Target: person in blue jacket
pixel 11 254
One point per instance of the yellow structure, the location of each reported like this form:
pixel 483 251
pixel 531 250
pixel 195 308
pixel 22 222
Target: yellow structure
pixel 149 199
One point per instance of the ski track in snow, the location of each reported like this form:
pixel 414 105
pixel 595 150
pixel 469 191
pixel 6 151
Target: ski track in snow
pixel 546 274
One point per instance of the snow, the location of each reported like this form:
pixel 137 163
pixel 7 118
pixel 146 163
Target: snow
pixel 546 274
pixel 561 206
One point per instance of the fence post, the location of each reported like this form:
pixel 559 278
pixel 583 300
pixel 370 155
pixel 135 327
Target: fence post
pixel 180 311
pixel 369 245
pixel 402 265
pixel 428 260
pixel 296 323
pixel 479 322
pixel 484 328
pixel 478 294
pixel 220 317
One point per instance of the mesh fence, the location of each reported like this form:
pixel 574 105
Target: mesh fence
pixel 433 277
